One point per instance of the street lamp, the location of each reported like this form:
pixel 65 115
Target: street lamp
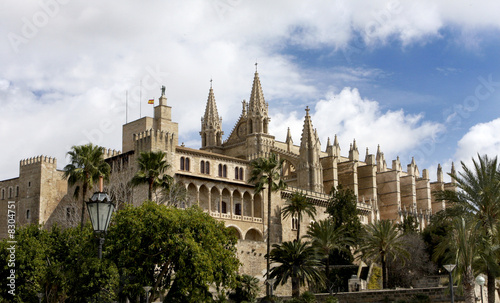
pixel 147 289
pixel 480 281
pixel 450 268
pixel 40 296
pixel 270 283
pixel 100 209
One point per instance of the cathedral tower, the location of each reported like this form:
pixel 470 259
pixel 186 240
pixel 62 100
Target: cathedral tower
pixel 310 171
pixel 211 124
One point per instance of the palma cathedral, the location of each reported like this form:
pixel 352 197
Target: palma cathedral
pixel 214 177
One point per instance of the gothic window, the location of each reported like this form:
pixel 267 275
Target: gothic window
pixel 187 164
pixel 28 214
pixel 236 172
pixel 241 173
pixel 295 223
pixel 224 171
pixel 3 194
pixel 10 192
pixel 182 163
pixel 224 207
pixel 202 167
pixel 207 168
pixel 17 191
pixel 237 209
pixel 220 170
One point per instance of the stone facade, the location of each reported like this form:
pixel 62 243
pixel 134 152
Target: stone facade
pixel 215 177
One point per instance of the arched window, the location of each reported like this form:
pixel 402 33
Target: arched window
pixel 220 170
pixel 224 207
pixel 3 194
pixel 236 171
pixel 10 192
pixel 224 171
pixel 241 173
pixel 182 163
pixel 202 167
pixel 17 191
pixel 295 223
pixel 28 214
pixel 187 164
pixel 237 209
pixel 207 168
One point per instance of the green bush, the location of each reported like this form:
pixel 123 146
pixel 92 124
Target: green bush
pixel 332 299
pixel 375 278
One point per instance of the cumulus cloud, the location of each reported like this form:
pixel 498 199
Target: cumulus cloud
pixel 351 117
pixel 481 139
pixel 66 65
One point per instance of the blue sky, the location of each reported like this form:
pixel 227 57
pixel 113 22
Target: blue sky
pixel 419 78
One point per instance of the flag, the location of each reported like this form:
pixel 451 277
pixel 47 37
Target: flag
pixel 151 101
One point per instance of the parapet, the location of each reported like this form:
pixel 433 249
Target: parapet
pixel 108 153
pixel 38 159
pixel 154 138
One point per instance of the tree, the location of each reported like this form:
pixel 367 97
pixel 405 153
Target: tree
pixel 326 239
pixel 463 247
pixel 179 251
pixel 152 166
pixel 479 197
pixel 246 290
pixel 267 172
pixel 86 166
pixel 343 211
pixel 297 205
pixel 409 225
pixel 298 262
pixel 380 241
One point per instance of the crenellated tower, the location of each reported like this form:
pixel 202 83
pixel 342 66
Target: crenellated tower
pixel 211 124
pixel 310 170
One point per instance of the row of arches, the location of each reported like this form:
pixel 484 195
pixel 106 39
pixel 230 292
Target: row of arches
pixel 251 234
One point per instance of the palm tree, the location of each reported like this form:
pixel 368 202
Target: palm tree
pixel 380 241
pixel 298 262
pixel 86 166
pixel 297 205
pixel 326 238
pixel 463 247
pixel 267 172
pixel 479 196
pixel 152 165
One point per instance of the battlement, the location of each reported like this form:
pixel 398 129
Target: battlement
pixel 37 160
pixel 154 139
pixel 108 153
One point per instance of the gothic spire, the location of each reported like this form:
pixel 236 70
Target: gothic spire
pixel 257 102
pixel 211 117
pixel 308 134
pixel 211 124
pixel 289 136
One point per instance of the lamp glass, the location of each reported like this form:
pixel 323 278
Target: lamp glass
pixel 449 267
pixel 100 210
pixel 480 280
pixel 147 288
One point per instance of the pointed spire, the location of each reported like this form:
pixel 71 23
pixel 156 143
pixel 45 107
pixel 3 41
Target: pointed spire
pixel 288 136
pixel 328 143
pixel 211 117
pixel 211 124
pixel 353 151
pixel 308 134
pixel 257 102
pixel 244 108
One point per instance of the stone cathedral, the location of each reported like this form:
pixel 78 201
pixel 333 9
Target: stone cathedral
pixel 215 177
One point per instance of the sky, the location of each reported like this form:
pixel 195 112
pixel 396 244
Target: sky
pixel 419 78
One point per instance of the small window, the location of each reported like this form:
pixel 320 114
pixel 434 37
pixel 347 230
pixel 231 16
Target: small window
pixel 17 191
pixel 10 192
pixel 28 215
pixel 187 164
pixel 224 207
pixel 241 173
pixel 29 184
pixel 207 168
pixel 220 170
pixel 295 223
pixel 202 167
pixel 237 209
pixel 182 163
pixel 236 173
pixel 224 171
pixel 3 194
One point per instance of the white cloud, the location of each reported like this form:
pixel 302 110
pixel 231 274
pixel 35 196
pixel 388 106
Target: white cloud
pixel 481 139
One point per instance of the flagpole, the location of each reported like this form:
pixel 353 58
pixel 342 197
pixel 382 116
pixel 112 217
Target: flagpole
pixel 140 98
pixel 126 107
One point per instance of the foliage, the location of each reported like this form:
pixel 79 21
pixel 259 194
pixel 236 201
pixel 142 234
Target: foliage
pixel 403 272
pixel 174 194
pixel 479 196
pixel 181 251
pixel 381 241
pixel 152 166
pixel 267 172
pixel 409 225
pixel 296 206
pixel 62 264
pixel 247 289
pixel 375 281
pixel 463 247
pixel 435 233
pixel 332 299
pixel 296 261
pixel 306 297
pixel 86 166
pixel 344 212
pixel 325 239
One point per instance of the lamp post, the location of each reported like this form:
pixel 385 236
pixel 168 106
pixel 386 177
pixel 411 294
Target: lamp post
pixel 480 281
pixel 270 283
pixel 147 289
pixel 450 268
pixel 40 296
pixel 100 209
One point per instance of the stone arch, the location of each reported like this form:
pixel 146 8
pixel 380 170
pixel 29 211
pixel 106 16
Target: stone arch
pixel 192 194
pixel 237 203
pixel 288 171
pixel 247 204
pixel 236 231
pixel 204 196
pixel 257 206
pixel 226 201
pixel 254 235
pixel 215 199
